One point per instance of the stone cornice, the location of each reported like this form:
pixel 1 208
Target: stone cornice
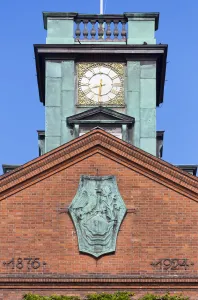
pixel 102 52
pixel 144 17
pixel 127 15
pixel 118 117
pixel 57 16
pixel 95 141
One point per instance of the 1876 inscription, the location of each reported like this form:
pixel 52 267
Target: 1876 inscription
pixel 27 262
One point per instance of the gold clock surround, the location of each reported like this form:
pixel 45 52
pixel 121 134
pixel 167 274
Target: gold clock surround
pixel 84 67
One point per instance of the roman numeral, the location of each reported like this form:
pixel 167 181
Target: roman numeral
pixel 93 71
pixel 87 91
pixel 88 76
pixel 114 91
pixel 92 96
pixel 114 77
pixel 116 84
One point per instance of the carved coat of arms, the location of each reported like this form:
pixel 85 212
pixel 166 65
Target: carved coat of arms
pixel 97 211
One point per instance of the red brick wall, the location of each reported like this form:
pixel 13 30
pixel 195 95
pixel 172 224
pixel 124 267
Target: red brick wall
pixel 34 224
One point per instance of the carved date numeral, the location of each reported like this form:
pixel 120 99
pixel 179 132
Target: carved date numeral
pixel 27 262
pixel 172 264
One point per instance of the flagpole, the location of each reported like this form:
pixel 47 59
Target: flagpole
pixel 101 7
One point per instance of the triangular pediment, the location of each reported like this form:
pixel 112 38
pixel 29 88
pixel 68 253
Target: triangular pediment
pixel 100 115
pixel 99 141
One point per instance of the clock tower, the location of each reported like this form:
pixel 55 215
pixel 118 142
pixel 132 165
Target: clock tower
pixel 101 70
pixel 98 212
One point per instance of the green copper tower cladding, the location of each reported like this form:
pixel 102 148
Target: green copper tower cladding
pixel 101 42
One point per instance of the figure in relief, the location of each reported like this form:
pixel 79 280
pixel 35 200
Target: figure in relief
pixel 97 211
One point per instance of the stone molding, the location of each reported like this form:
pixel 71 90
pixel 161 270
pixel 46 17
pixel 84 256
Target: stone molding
pixel 113 116
pixel 99 141
pixel 128 15
pixel 104 282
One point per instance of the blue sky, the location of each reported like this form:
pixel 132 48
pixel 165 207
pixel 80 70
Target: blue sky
pixel 22 114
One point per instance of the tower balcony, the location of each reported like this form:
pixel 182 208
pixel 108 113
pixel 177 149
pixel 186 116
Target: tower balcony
pixel 126 28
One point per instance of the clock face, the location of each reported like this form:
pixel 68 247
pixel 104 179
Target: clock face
pixel 100 83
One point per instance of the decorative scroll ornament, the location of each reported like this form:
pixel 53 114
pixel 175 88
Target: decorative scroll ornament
pixel 97 211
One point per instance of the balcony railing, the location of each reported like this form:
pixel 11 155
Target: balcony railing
pixel 71 27
pixel 100 28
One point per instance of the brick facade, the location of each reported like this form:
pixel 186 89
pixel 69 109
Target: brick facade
pixel 161 223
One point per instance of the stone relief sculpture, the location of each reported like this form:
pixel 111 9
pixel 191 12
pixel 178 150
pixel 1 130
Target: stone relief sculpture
pixel 97 211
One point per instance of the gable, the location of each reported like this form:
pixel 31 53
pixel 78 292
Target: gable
pixel 38 215
pixel 161 219
pixel 99 141
pixel 100 115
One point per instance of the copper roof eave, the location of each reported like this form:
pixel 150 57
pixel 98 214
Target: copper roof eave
pixel 59 52
pixel 189 168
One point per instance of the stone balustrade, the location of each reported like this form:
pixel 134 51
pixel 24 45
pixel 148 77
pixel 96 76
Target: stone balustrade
pixel 73 28
pixel 105 28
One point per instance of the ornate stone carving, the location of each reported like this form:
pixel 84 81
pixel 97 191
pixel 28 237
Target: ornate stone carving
pixel 97 211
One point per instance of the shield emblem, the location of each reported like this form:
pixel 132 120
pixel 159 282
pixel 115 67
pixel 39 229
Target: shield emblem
pixel 97 211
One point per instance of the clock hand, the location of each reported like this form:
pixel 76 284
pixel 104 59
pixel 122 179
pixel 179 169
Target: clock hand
pixel 96 86
pixel 100 90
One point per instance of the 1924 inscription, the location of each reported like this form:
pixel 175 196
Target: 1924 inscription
pixel 172 264
pixel 27 262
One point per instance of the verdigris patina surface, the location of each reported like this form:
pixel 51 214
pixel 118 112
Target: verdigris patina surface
pixel 97 211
